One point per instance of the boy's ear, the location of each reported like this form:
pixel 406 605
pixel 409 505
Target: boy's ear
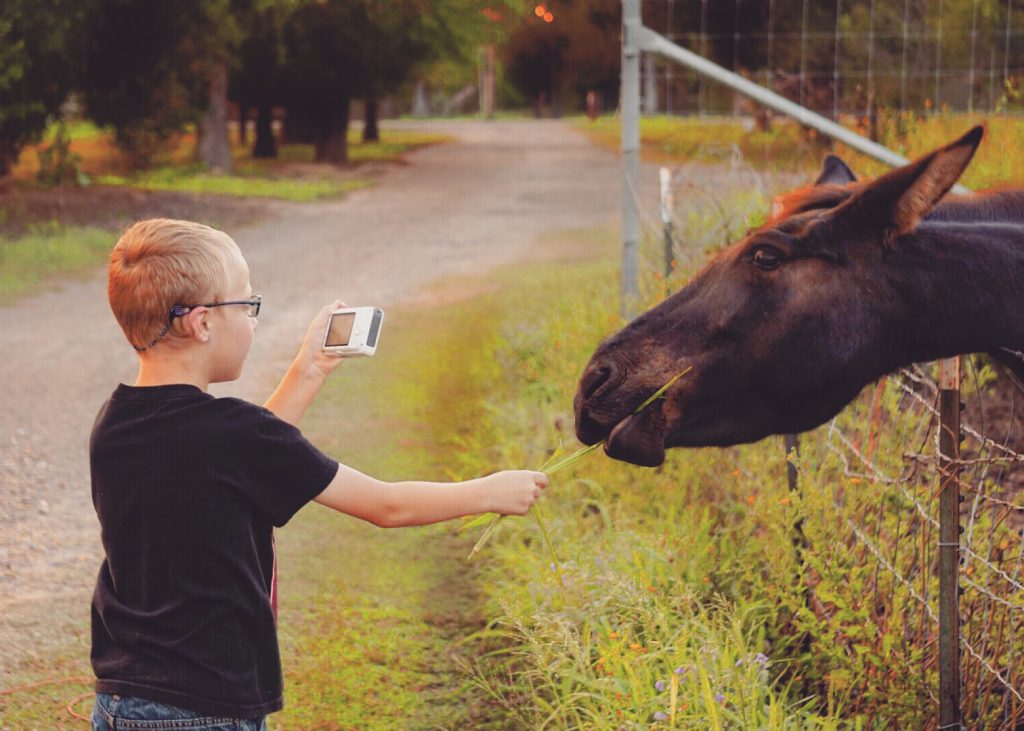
pixel 196 325
pixel 834 170
pixel 897 201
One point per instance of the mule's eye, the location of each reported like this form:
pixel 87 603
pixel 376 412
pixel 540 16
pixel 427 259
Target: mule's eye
pixel 766 257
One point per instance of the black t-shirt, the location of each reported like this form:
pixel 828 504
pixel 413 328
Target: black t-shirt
pixel 187 488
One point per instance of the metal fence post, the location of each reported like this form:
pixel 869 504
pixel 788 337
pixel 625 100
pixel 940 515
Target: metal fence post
pixel 630 111
pixel 949 544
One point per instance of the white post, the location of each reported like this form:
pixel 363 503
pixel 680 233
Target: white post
pixel 666 220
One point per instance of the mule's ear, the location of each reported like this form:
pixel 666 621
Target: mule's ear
pixel 834 170
pixel 898 200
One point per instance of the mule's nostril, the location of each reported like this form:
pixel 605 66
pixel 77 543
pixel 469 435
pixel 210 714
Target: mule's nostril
pixel 593 379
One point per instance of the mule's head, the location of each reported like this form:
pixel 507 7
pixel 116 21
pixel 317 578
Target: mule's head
pixel 782 329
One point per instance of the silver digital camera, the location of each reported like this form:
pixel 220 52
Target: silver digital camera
pixel 353 331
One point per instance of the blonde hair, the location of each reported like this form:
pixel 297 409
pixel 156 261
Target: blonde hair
pixel 159 263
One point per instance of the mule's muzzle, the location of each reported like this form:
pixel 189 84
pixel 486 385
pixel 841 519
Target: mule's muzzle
pixel 600 377
pixel 638 439
pixel 604 412
pixel 598 381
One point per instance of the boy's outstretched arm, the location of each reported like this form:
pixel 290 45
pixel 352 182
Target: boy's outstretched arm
pixel 391 505
pixel 307 373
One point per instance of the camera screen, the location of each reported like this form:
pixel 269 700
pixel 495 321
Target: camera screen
pixel 341 329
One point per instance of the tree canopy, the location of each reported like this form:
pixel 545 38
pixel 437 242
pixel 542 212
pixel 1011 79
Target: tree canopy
pixel 149 69
pixel 36 71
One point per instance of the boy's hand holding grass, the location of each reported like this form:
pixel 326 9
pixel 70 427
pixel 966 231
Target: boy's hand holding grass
pixel 514 491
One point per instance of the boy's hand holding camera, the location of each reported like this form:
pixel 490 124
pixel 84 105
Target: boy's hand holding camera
pixel 308 371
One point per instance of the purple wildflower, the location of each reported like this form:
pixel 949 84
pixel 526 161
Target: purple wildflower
pixel 660 716
pixel 761 659
pixel 680 670
pixel 659 686
pixel 719 698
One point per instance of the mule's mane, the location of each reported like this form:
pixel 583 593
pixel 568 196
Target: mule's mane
pixel 809 198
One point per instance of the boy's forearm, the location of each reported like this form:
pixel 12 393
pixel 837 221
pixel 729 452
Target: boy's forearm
pixel 394 504
pixel 423 503
pixel 295 392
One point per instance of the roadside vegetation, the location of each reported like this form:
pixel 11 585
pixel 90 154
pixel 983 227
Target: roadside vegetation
pixel 29 261
pixel 704 593
pixel 91 154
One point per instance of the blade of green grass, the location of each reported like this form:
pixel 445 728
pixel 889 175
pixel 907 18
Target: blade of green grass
pixel 554 465
pixel 661 391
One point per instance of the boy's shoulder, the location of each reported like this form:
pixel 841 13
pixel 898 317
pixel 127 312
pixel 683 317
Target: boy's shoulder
pixel 181 405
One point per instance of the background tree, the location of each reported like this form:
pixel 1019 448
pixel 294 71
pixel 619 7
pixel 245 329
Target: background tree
pixel 463 36
pixel 217 35
pixel 398 36
pixel 36 69
pixel 556 62
pixel 324 72
pixel 257 76
pixel 147 67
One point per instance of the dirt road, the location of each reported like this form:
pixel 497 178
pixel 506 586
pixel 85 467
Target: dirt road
pixel 453 209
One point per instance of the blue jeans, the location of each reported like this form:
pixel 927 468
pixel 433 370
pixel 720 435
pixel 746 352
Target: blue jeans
pixel 115 712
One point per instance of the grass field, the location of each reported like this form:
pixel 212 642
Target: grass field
pixel 30 262
pixel 291 176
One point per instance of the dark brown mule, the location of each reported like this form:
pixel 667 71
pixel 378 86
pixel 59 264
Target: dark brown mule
pixel 785 327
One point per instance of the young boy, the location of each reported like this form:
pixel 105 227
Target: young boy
pixel 188 488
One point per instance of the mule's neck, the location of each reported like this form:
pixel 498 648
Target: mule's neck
pixel 1002 205
pixel 964 286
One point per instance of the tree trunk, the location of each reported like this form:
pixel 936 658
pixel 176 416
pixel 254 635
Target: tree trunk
pixel 265 145
pixel 8 157
pixel 489 87
pixel 421 100
pixel 370 131
pixel 332 133
pixel 243 120
pixel 213 148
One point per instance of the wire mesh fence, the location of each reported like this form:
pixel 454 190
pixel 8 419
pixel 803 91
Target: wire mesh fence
pixel 842 58
pixel 870 484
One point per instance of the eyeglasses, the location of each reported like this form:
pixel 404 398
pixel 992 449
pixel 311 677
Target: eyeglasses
pixel 252 303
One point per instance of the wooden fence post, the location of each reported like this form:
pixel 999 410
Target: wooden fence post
pixel 949 544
